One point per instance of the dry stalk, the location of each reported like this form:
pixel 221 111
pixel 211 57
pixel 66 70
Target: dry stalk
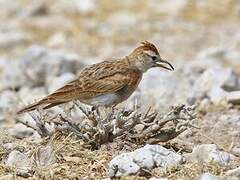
pixel 103 125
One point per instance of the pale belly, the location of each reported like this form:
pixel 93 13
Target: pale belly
pixel 109 99
pixel 103 100
pixel 113 98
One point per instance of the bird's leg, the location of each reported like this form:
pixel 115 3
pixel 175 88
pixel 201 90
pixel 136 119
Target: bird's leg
pixel 96 109
pixel 93 108
pixel 113 107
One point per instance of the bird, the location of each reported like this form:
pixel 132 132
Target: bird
pixel 106 83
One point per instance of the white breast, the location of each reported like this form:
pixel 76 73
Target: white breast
pixel 102 100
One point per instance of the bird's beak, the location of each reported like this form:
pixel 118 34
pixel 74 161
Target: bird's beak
pixel 161 63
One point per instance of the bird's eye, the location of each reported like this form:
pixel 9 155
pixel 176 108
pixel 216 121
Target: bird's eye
pixel 154 58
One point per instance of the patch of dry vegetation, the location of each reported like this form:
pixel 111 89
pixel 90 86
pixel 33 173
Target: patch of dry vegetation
pixel 190 170
pixel 101 126
pixel 75 160
pixel 84 149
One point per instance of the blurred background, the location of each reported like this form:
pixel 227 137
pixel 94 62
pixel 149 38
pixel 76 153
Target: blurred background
pixel 103 28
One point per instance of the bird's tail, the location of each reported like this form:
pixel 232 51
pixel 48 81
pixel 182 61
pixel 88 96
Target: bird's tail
pixel 43 103
pixel 30 107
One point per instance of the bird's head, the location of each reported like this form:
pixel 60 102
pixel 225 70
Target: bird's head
pixel 146 56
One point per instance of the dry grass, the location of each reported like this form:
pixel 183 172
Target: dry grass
pixel 77 161
pixel 190 171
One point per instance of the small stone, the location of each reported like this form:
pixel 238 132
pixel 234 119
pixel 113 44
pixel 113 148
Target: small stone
pixel 233 97
pixel 76 6
pixel 206 153
pixel 123 165
pixel 21 162
pixel 236 149
pixel 214 83
pixel 46 156
pixel 20 131
pixel 57 40
pixel 9 146
pixel 234 172
pixel 85 6
pixel 139 128
pixel 217 95
pixel 208 176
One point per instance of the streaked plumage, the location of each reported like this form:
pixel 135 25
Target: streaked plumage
pixel 106 83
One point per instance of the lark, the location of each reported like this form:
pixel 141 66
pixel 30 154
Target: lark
pixel 107 83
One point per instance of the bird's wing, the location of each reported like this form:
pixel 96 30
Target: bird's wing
pixel 79 89
pixel 103 69
pixel 98 79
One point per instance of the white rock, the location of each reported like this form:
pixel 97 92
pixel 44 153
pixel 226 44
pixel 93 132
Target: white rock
pixel 205 153
pixel 21 162
pixel 150 156
pixel 233 97
pixel 210 82
pixel 85 6
pixel 123 165
pixel 233 172
pixel 217 94
pixel 9 146
pixel 57 40
pixel 46 156
pixel 20 131
pixel 146 160
pixel 208 176
pixel 236 149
